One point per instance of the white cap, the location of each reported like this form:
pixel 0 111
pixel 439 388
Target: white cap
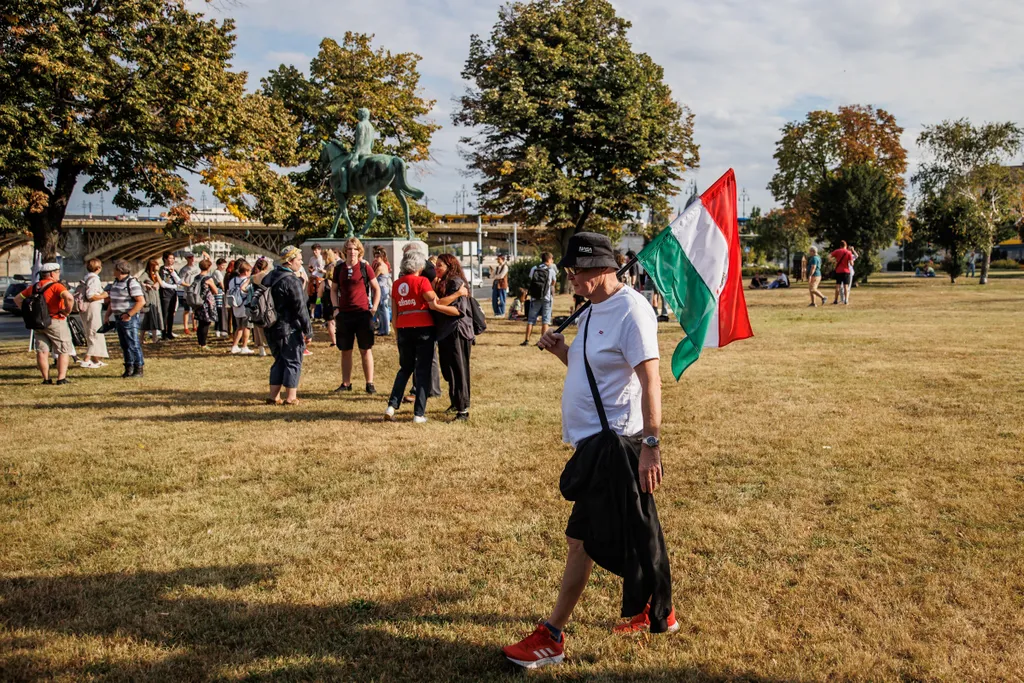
pixel 48 267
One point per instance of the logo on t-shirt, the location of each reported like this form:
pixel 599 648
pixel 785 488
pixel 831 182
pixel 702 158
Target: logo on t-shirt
pixel 403 289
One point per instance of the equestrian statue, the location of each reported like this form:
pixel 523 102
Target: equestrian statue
pixel 361 172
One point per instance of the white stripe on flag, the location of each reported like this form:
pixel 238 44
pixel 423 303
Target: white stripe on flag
pixel 706 248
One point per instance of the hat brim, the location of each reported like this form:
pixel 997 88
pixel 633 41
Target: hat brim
pixel 573 261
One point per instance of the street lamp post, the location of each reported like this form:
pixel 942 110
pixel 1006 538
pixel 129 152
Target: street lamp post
pixel 744 197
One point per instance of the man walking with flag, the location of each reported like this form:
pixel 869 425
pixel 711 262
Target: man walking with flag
pixel 611 414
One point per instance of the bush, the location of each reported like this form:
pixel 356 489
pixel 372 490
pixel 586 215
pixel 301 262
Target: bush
pixel 896 266
pixel 751 271
pixel 519 275
pixel 1005 264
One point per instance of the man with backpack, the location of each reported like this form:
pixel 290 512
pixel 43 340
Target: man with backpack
pixel 45 307
pixel 126 301
pixel 541 290
pixel 355 295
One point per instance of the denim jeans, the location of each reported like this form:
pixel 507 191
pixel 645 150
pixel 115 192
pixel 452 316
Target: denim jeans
pixel 383 316
pixel 498 301
pixel 287 345
pixel 128 338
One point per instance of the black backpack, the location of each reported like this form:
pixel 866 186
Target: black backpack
pixel 479 321
pixel 260 306
pixel 539 283
pixel 34 309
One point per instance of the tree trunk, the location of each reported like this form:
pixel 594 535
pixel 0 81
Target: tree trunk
pixel 983 280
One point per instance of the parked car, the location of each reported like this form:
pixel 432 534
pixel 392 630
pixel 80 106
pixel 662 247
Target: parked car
pixel 12 291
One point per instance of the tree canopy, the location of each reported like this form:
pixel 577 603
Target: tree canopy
pixel 973 161
pixel 129 94
pixel 859 204
pixel 777 234
pixel 952 221
pixel 813 150
pixel 342 78
pixel 575 129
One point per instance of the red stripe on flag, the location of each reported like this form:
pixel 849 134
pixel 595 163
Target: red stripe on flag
pixel 720 202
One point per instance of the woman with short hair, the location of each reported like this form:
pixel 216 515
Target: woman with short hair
pixel 413 299
pixel 238 291
pixel 288 336
pixel 382 270
pixel 91 312
pixel 814 276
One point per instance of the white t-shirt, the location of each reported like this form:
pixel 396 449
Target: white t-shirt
pixel 623 334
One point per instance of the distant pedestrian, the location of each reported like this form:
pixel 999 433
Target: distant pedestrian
pixel 843 257
pixel 781 280
pixel 327 303
pixel 188 273
pixel 206 312
pixel 454 333
pixel 356 298
pixel 288 336
pixel 169 282
pixel 972 258
pixel 541 280
pixel 55 338
pixel 517 311
pixel 814 277
pixel 90 308
pixel 382 270
pixel 219 270
pixel 259 335
pixel 853 279
pixel 238 294
pixel 127 298
pixel 499 288
pixel 153 316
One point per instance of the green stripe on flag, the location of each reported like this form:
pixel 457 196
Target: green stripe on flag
pixel 684 290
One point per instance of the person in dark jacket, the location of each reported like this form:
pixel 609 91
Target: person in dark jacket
pixel 454 333
pixel 611 415
pixel 288 336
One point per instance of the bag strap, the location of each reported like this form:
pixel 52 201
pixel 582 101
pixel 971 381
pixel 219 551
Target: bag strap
pixel 593 382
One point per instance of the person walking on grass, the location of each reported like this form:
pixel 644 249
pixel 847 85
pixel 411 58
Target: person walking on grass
pixel 356 298
pixel 972 259
pixel 413 300
pixel 852 280
pixel 188 274
pixel 55 338
pixel 542 287
pixel 499 288
pixel 238 294
pixel 843 258
pixel 288 336
pixel 127 297
pixel 611 415
pixel 206 312
pixel 454 333
pixel 91 296
pixel 814 277
pixel 220 267
pixel 169 283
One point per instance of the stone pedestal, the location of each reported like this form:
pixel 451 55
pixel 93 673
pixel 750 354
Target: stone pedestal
pixel 392 247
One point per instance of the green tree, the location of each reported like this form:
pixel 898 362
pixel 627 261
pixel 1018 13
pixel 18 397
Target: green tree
pixel 128 94
pixel 813 150
pixel 973 161
pixel 342 78
pixel 778 234
pixel 859 204
pixel 954 222
pixel 575 129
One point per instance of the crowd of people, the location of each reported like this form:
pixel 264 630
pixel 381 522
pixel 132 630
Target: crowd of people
pixel 843 258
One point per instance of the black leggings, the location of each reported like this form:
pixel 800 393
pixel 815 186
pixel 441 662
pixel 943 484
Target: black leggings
pixel 202 332
pixel 453 352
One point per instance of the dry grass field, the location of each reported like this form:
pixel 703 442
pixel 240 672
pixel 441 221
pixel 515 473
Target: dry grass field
pixel 844 500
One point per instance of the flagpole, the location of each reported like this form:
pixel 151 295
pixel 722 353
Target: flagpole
pixel 579 311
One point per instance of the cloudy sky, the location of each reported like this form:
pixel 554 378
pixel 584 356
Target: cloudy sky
pixel 743 68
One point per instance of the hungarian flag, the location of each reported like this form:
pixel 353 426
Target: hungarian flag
pixel 696 265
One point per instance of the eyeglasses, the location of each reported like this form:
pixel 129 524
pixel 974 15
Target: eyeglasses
pixel 573 272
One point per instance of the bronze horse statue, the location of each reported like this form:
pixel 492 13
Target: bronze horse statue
pixel 372 174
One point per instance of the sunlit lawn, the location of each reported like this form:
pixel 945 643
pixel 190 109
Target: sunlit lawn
pixel 844 498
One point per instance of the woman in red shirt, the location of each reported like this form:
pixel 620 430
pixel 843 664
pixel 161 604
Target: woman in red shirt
pixel 413 299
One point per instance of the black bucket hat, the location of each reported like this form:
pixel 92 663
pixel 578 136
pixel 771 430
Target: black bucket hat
pixel 589 250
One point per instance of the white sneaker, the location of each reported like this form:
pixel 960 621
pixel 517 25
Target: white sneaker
pixel 389 413
pixel 246 352
pixel 87 364
pixel 263 352
pixel 221 334
pixel 419 419
pixel 99 364
pixel 235 349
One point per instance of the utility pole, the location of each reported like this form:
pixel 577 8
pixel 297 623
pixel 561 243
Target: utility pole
pixel 744 197
pixel 102 213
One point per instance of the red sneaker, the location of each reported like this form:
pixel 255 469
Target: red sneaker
pixel 536 650
pixel 642 622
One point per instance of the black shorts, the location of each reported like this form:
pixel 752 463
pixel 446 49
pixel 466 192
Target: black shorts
pixel 354 326
pixel 844 278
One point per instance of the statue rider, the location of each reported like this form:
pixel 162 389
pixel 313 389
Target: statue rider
pixel 362 147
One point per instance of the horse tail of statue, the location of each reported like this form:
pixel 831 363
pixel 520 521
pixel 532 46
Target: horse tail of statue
pixel 403 184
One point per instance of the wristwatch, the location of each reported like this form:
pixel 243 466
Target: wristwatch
pixel 651 441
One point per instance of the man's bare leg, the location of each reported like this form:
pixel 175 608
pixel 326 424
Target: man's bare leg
pixel 578 566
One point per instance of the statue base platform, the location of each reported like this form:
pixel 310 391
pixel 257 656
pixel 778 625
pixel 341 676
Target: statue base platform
pixel 392 247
